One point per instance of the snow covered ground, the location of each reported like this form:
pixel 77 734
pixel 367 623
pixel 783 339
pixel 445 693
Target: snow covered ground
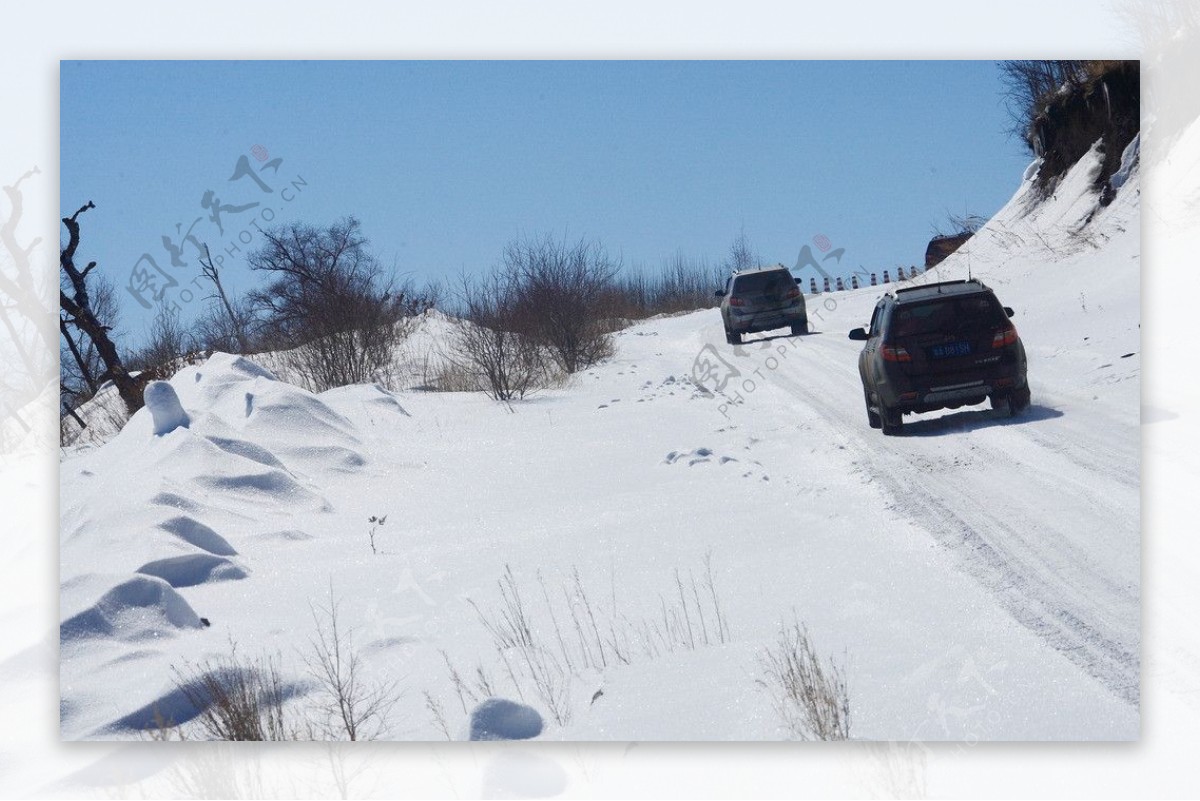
pixel 978 578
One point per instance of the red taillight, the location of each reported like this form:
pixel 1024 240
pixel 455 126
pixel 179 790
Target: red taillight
pixel 794 293
pixel 736 302
pixel 1005 336
pixel 894 354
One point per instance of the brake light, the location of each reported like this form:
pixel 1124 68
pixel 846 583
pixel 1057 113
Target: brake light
pixel 735 301
pixel 894 354
pixel 793 293
pixel 1005 336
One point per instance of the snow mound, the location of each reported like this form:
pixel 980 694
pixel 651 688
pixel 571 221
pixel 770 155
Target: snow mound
pixel 247 450
pixel 272 488
pixel 177 705
pixel 140 608
pixel 165 408
pixel 193 569
pixel 193 532
pixel 233 367
pixel 363 395
pixel 501 719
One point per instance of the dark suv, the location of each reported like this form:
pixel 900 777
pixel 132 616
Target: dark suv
pixel 940 346
pixel 760 300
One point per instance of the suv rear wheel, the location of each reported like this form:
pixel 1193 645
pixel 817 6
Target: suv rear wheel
pixel 800 327
pixel 733 338
pixel 891 421
pixel 1012 403
pixel 1019 400
pixel 872 418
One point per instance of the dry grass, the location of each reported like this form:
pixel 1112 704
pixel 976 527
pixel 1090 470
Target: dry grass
pixel 238 700
pixel 809 694
pixel 542 646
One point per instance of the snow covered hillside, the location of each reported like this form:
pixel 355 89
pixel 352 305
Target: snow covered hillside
pixel 977 578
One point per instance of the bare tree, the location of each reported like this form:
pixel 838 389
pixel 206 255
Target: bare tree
pixel 226 327
pixel 330 302
pixel 81 366
pixel 741 255
pixel 167 343
pixel 78 311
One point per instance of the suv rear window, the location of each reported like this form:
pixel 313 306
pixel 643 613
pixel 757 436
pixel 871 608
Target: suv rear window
pixel 954 315
pixel 770 281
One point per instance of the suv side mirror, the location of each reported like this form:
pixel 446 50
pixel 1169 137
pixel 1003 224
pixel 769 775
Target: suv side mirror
pixel 799 280
pixel 1008 310
pixel 858 334
pixel 720 293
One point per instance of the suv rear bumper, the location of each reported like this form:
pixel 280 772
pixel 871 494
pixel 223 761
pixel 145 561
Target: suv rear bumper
pixel 960 389
pixel 766 321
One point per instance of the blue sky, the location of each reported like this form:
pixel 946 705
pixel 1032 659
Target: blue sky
pixel 444 162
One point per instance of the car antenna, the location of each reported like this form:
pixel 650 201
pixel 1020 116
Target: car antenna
pixel 968 245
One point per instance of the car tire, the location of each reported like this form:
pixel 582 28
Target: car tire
pixel 891 421
pixel 1019 400
pixel 800 327
pixel 733 338
pixel 1001 403
pixel 873 419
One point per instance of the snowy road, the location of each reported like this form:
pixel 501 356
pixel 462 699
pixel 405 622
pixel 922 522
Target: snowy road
pixel 1038 510
pixel 978 577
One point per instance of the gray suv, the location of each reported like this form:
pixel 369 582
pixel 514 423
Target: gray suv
pixel 762 299
pixel 940 346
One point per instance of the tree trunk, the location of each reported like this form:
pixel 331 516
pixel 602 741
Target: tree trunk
pixel 79 314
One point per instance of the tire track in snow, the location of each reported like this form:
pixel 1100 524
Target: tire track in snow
pixel 1034 577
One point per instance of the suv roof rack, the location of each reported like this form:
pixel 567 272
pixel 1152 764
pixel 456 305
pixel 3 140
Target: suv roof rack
pixel 760 268
pixel 939 286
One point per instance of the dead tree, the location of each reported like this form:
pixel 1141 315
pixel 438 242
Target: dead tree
pixel 85 372
pixel 77 308
pixel 237 322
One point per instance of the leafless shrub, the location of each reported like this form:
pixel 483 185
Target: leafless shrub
pixel 168 341
pixel 1061 108
pixel 453 377
pixel 809 694
pixel 226 329
pixel 488 347
pixel 350 706
pixel 1027 86
pixel 330 306
pixel 238 699
pixel 682 284
pixel 560 290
